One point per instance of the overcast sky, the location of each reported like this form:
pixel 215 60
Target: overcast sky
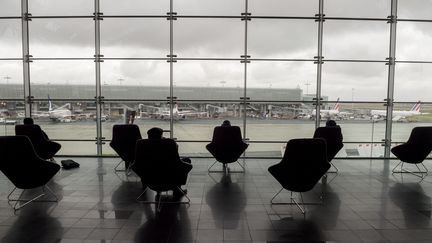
pixel 224 38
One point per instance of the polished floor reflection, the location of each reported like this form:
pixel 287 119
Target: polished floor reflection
pixel 363 203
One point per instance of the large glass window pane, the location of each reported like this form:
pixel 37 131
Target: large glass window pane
pixel 10 38
pixel 189 149
pixel 354 81
pixel 359 9
pixel 419 9
pixel 278 121
pixel 77 148
pixel 61 7
pixel 283 75
pixel 62 37
pixel 11 113
pixel 363 126
pixel 148 115
pixel 209 38
pixel 135 79
pixel 135 7
pixel 68 120
pixel 269 38
pixel 11 81
pixel 208 80
pixel 196 120
pixel 63 79
pixel 413 82
pixel 413 41
pixel 356 40
pixel 10 8
pixel 406 116
pixel 261 149
pixel 135 37
pixel 303 8
pixel 209 7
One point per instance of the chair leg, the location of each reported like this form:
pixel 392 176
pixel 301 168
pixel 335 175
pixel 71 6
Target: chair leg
pixel 301 205
pixel 302 209
pixel 34 199
pixel 129 169
pixel 225 169
pixel 159 201
pixel 138 198
pixel 420 173
pixel 333 171
pixel 119 170
pixel 209 169
pixel 271 200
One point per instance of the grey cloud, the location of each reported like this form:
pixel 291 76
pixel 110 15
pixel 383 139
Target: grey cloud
pixel 418 9
pixel 75 32
pixel 281 38
pixel 355 8
pixel 61 7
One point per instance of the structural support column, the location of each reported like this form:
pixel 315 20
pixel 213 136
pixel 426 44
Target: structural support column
pixel 391 75
pixel 319 62
pixel 171 61
pixel 25 18
pixel 245 60
pixel 98 16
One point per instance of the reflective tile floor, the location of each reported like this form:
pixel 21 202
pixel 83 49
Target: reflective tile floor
pixel 363 203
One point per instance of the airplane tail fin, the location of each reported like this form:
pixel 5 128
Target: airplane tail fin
pixel 417 106
pixel 50 108
pixel 175 108
pixel 336 105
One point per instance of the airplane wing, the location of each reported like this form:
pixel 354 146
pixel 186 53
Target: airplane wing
pixel 40 114
pixel 193 113
pixel 397 118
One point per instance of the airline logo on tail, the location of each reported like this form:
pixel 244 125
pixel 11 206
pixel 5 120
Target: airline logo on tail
pixel 336 105
pixel 416 107
pixel 50 108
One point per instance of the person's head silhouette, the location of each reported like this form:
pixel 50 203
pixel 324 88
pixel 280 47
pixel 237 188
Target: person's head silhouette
pixel 331 123
pixel 28 121
pixel 226 123
pixel 155 133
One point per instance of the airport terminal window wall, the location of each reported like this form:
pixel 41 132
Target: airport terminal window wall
pixel 186 66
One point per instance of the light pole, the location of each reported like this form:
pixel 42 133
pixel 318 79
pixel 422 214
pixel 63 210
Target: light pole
pixel 7 78
pixel 307 87
pixel 120 80
pixel 352 98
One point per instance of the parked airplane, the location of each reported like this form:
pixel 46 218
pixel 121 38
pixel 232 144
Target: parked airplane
pixel 59 114
pixel 398 115
pixel 6 121
pixel 329 113
pixel 164 113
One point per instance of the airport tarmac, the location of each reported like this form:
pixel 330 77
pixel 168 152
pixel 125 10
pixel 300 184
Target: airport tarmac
pixel 192 130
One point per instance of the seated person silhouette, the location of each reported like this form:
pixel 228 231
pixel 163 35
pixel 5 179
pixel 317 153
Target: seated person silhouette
pixel 156 158
pixel 29 121
pixel 44 147
pixel 332 123
pixel 227 144
pixel 332 134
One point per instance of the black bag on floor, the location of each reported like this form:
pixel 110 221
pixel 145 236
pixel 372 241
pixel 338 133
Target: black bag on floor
pixel 69 164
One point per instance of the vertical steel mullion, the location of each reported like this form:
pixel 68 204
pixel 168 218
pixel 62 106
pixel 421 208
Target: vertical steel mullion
pixel 391 76
pixel 171 95
pixel 26 58
pixel 319 63
pixel 245 69
pixel 99 105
